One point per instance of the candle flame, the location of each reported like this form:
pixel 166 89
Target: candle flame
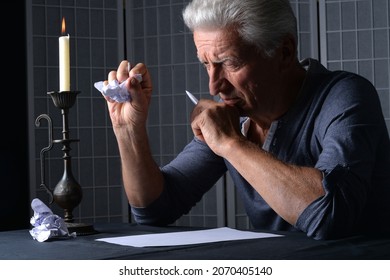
pixel 63 26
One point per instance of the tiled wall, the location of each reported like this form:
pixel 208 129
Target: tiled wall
pixel 351 35
pixel 355 36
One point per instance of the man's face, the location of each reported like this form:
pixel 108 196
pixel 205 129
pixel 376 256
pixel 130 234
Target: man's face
pixel 239 74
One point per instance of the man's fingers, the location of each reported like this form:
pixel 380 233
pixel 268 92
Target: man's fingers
pixel 111 77
pixel 122 72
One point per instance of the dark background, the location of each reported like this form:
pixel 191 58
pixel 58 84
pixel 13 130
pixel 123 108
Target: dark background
pixel 14 195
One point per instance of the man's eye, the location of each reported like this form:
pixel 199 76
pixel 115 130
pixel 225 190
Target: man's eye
pixel 206 65
pixel 231 64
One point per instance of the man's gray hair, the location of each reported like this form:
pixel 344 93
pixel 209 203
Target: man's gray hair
pixel 262 23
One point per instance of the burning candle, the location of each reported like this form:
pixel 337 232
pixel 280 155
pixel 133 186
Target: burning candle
pixel 64 59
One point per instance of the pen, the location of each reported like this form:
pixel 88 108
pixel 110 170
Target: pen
pixel 193 98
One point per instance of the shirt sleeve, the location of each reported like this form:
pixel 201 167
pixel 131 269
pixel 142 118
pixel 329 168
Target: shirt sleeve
pixel 350 128
pixel 186 179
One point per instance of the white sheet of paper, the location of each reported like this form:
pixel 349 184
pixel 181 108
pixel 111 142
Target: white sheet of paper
pixel 186 237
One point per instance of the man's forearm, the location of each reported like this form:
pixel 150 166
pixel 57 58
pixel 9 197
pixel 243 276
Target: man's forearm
pixel 288 189
pixel 142 178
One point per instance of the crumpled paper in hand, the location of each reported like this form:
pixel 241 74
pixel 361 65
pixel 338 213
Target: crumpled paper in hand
pixel 46 224
pixel 115 90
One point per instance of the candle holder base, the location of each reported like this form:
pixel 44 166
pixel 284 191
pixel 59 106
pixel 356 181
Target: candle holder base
pixel 81 228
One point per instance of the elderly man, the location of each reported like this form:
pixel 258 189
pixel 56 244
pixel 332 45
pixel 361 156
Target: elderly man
pixel 307 148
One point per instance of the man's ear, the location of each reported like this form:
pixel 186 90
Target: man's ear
pixel 288 51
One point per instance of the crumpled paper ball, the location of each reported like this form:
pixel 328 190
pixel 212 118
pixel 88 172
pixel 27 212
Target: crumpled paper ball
pixel 46 224
pixel 115 90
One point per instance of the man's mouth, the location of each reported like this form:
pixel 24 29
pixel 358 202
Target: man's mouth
pixel 231 101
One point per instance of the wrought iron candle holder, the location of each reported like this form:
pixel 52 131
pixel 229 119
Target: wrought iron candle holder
pixel 68 193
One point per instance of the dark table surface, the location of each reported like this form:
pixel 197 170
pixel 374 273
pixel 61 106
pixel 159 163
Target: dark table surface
pixel 19 245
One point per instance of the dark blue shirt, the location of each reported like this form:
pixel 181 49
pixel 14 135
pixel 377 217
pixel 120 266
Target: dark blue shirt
pixel 337 126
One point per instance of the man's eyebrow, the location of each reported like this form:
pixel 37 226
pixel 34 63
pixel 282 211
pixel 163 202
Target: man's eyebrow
pixel 219 61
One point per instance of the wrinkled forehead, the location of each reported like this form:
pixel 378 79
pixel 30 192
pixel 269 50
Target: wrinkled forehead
pixel 218 44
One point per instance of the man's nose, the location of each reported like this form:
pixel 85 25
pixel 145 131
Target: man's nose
pixel 216 80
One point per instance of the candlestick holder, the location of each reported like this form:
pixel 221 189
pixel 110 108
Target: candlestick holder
pixel 68 193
